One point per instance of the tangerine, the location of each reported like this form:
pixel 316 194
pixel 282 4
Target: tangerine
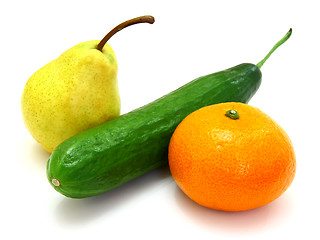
pixel 232 157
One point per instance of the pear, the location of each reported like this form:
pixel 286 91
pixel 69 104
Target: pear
pixel 75 92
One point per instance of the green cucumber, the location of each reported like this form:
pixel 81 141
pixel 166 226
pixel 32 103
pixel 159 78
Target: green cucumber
pixel 109 155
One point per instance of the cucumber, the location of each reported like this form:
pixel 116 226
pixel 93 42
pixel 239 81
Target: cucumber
pixel 109 155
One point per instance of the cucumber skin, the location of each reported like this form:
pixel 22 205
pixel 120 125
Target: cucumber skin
pixel 109 155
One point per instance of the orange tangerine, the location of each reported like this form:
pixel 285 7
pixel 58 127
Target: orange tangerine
pixel 231 157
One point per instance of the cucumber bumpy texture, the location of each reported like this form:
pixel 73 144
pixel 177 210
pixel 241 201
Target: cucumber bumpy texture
pixel 109 155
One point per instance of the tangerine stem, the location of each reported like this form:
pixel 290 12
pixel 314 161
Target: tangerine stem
pixel 233 114
pixel 142 19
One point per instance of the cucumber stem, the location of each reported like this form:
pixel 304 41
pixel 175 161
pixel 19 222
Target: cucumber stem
pixel 142 19
pixel 278 44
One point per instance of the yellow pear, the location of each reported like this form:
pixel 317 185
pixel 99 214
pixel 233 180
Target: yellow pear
pixel 74 92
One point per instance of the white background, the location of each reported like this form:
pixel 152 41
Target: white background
pixel 189 39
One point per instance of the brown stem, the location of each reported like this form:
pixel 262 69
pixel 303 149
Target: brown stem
pixel 142 19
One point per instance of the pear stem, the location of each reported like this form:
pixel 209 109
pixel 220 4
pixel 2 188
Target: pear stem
pixel 142 19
